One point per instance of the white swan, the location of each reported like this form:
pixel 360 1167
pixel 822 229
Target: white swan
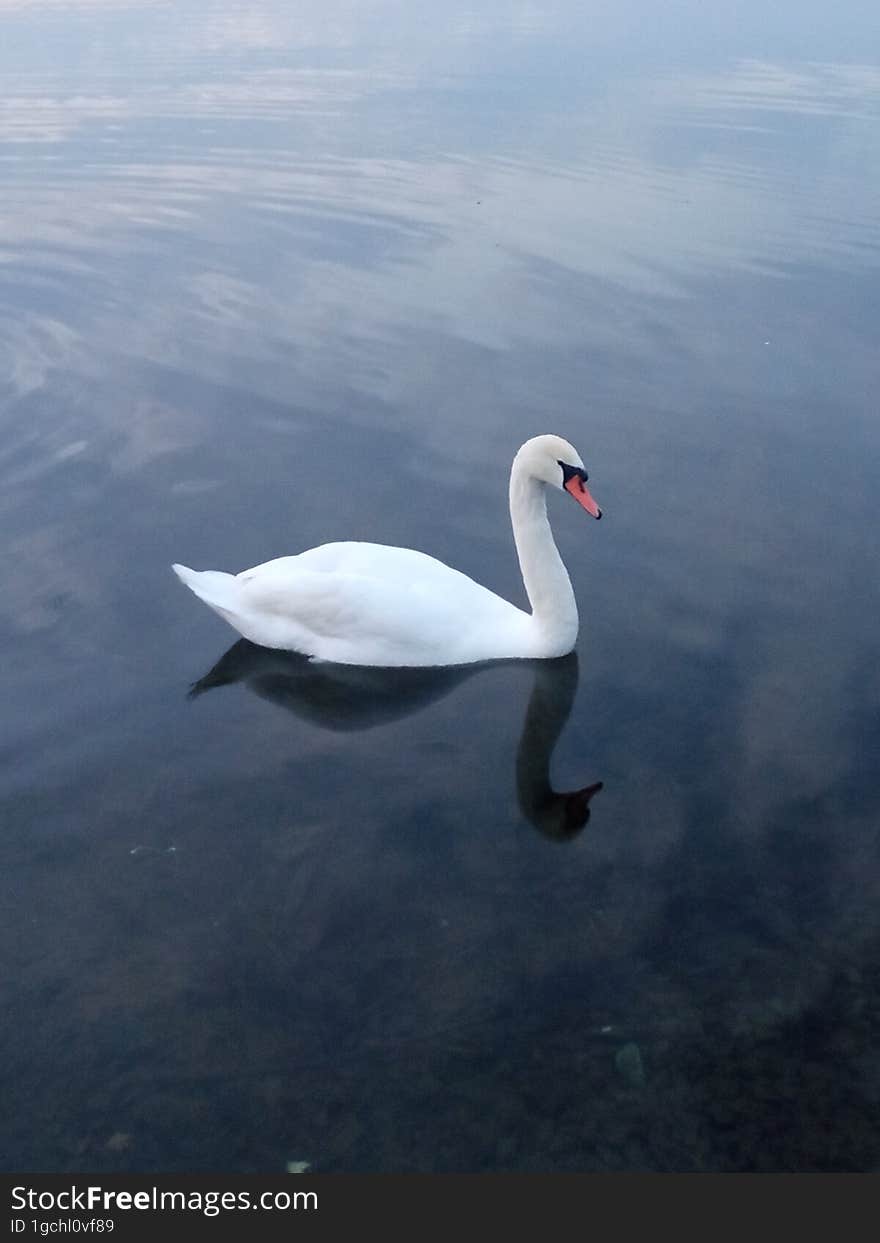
pixel 370 604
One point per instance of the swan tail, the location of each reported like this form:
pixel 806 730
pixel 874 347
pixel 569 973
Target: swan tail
pixel 218 590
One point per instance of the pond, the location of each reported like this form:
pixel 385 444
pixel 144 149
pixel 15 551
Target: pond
pixel 277 275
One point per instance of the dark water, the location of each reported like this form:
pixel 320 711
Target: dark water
pixel 275 274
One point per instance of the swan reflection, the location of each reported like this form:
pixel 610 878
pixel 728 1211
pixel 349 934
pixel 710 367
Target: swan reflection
pixel 357 697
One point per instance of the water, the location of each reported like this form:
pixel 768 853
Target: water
pixel 272 275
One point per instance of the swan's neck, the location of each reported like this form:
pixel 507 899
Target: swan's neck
pixel 546 580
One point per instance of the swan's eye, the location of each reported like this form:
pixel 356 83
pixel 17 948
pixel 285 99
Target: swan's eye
pixel 572 472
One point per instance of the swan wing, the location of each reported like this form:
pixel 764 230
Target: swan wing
pixel 372 604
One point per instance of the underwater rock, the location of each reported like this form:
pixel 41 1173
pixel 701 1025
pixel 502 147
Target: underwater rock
pixel 628 1064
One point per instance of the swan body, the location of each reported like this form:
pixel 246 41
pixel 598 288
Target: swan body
pixel 370 604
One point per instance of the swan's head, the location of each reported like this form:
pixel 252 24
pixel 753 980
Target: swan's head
pixel 558 464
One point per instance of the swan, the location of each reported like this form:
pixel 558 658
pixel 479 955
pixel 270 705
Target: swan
pixel 355 603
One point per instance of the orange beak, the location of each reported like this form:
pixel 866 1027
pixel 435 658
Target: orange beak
pixel 578 489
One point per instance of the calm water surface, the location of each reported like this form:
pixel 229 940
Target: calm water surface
pixel 272 275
